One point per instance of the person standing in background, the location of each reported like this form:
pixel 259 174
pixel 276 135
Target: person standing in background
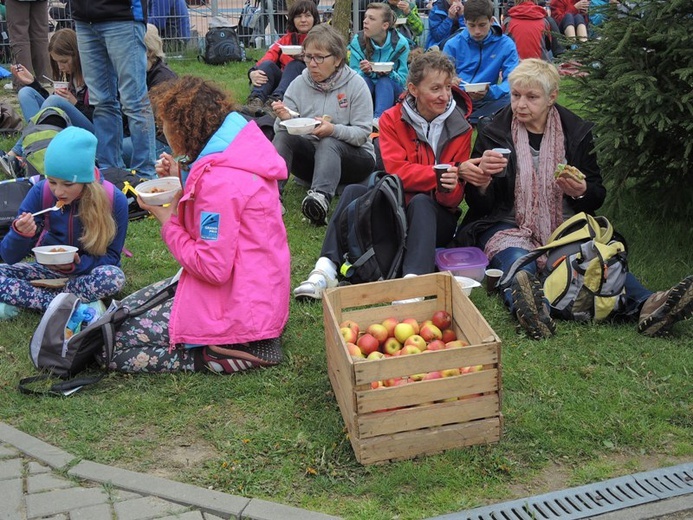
pixel 27 25
pixel 110 35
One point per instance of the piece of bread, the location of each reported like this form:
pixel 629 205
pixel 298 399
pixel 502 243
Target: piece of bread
pixel 52 283
pixel 571 172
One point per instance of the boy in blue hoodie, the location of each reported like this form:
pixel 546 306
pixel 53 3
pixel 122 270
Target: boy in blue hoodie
pixel 481 53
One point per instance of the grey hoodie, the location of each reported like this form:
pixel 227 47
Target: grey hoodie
pixel 349 104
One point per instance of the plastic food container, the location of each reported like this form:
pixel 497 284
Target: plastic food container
pixel 475 87
pixel 382 66
pixel 291 50
pixel 300 125
pixel 463 261
pixel 158 192
pixel 55 255
pixel 467 284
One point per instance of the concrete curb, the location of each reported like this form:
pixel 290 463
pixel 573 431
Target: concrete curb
pixel 208 501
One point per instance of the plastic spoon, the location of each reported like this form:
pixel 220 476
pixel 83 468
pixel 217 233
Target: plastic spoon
pixel 292 113
pixel 54 208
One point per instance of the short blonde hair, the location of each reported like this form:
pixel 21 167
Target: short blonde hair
pixel 533 72
pixel 154 44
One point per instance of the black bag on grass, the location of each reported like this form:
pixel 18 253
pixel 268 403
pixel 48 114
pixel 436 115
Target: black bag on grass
pixel 126 181
pixel 12 193
pixel 61 348
pixel 222 45
pixel 372 230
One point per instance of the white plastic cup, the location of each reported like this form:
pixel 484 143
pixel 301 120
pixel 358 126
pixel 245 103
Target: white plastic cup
pixel 506 153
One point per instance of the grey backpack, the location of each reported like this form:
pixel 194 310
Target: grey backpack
pixel 61 348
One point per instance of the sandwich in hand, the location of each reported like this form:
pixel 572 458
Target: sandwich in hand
pixel 569 172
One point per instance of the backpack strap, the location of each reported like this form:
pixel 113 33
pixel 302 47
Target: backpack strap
pixel 61 389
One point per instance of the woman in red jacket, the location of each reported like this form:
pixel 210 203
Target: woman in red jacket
pixel 273 73
pixel 571 17
pixel 428 126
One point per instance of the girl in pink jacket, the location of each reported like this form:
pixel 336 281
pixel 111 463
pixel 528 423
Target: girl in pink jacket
pixel 225 229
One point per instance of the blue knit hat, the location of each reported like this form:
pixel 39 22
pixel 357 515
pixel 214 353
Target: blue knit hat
pixel 71 155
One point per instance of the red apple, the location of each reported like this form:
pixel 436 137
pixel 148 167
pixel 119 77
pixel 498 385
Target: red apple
pixel 416 341
pixel 410 349
pixel 423 324
pixel 413 323
pixel 390 324
pixel 352 325
pixel 375 355
pixel 378 331
pixel 377 384
pixel 367 344
pixel 456 343
pixel 436 344
pixel 403 331
pixel 429 332
pixel 442 320
pixel 348 334
pixel 393 381
pixel 433 375
pixel 391 346
pixel 354 351
pixel 448 335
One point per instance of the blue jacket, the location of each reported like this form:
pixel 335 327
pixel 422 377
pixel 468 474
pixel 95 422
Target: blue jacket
pixel 65 229
pixel 109 10
pixel 398 54
pixel 440 26
pixel 477 62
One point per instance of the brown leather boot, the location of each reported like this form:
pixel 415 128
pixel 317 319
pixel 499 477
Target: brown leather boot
pixel 665 308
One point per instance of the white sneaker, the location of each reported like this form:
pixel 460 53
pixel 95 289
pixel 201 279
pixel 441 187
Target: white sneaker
pixel 314 289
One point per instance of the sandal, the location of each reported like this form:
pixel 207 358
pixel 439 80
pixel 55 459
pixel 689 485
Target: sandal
pixel 308 289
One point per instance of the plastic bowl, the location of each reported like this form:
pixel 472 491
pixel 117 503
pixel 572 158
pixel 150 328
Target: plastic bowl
pixel 60 84
pixel 475 87
pixel 55 255
pixel 300 125
pixel 158 192
pixel 291 50
pixel 467 284
pixel 382 66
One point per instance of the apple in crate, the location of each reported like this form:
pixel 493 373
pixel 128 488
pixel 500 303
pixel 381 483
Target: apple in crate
pixel 433 375
pixel 448 335
pixel 429 332
pixel 354 351
pixel 403 331
pixel 378 331
pixel 375 355
pixel 408 350
pixel 413 323
pixel 456 343
pixel 390 324
pixel 442 320
pixel 416 341
pixel 391 346
pixel 434 345
pixel 367 343
pixel 348 334
pixel 352 325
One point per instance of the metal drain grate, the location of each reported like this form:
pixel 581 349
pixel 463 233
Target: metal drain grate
pixel 591 500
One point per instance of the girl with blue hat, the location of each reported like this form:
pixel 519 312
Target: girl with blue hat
pixel 92 216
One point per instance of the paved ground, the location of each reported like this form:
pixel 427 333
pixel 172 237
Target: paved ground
pixel 40 481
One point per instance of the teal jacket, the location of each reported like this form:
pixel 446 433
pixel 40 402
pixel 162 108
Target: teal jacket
pixel 395 49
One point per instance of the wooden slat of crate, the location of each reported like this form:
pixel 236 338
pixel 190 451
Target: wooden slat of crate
pixel 407 445
pixel 426 416
pixel 369 400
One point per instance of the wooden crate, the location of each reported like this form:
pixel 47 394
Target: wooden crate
pixel 421 417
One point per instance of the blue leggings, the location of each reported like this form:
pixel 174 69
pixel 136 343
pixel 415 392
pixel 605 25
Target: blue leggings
pixel 15 289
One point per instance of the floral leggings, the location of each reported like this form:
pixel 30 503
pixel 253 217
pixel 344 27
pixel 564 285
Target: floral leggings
pixel 16 289
pixel 142 342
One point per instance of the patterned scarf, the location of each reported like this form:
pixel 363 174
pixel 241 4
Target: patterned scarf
pixel 538 200
pixel 328 84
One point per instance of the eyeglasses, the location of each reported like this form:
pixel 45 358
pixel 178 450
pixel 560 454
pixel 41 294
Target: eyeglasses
pixel 317 59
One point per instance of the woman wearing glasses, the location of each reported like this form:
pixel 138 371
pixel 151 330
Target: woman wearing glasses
pixel 338 150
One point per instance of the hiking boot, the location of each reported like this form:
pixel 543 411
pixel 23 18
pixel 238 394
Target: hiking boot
pixel 665 308
pixel 315 206
pixel 229 359
pixel 255 105
pixel 530 308
pixel 268 106
pixel 7 164
pixel 314 286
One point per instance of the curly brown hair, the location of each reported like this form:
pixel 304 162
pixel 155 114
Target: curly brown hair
pixel 193 110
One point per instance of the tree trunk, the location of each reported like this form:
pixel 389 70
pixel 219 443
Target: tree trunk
pixel 341 17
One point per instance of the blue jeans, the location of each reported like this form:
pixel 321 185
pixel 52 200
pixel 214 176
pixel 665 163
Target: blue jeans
pixel 161 147
pixel 114 61
pixel 31 102
pixel 277 80
pixel 634 297
pixel 487 107
pixel 385 92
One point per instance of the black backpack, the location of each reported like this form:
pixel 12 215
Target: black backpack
pixel 221 46
pixel 12 193
pixel 59 352
pixel 372 231
pixel 125 181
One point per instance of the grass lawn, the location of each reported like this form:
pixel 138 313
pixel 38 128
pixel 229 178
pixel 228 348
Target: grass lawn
pixel 594 402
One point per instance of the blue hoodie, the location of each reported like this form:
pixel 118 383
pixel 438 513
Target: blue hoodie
pixel 477 62
pixel 440 25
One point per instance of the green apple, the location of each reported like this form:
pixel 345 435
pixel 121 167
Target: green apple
pixel 403 331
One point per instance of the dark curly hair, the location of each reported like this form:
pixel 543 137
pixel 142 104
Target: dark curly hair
pixel 193 109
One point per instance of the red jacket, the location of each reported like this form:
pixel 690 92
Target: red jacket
pixel 559 8
pixel 275 54
pixel 411 159
pixel 528 27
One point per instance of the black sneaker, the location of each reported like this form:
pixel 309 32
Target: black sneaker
pixel 7 165
pixel 530 308
pixel 315 206
pixel 665 308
